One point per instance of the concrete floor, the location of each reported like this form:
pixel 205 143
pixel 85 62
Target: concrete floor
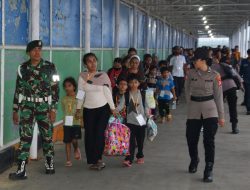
pixel 166 163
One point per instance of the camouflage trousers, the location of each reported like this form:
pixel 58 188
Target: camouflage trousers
pixel 30 113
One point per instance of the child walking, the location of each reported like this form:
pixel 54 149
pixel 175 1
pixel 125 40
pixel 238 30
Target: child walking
pixel 72 126
pixel 166 92
pixel 122 86
pixel 137 114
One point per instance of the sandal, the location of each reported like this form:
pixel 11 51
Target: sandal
pixel 78 154
pixel 95 167
pixel 140 161
pixel 169 117
pixel 101 164
pixel 68 164
pixel 127 163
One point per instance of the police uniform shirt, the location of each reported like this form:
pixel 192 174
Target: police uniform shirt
pixel 202 84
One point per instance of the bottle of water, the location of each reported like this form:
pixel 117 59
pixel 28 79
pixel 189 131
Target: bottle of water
pixel 174 105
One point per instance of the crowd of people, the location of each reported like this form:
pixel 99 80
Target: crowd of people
pixel 208 76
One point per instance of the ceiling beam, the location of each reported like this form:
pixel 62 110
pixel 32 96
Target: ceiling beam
pixel 195 5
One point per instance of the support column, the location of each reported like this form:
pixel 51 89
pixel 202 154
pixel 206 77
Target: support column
pixel 2 75
pixel 35 11
pixel 135 27
pixel 117 27
pixel 87 26
pixel 147 34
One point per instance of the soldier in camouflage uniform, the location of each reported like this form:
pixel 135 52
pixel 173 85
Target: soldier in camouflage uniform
pixel 36 97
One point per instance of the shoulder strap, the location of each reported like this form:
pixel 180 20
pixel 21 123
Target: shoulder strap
pixel 126 99
pixel 143 96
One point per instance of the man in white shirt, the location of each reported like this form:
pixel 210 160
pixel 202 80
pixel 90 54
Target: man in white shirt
pixel 177 63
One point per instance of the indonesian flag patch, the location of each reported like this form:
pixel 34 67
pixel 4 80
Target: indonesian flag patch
pixel 218 78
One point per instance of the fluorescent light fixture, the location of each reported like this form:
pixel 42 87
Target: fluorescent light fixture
pixel 209 31
pixel 200 8
pixel 204 18
pixel 206 27
pixel 205 22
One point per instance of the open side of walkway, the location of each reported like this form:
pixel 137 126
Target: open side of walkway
pixel 166 163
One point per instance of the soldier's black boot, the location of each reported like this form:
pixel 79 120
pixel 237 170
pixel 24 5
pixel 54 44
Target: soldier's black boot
pixel 235 129
pixel 208 173
pixel 193 166
pixel 49 165
pixel 20 174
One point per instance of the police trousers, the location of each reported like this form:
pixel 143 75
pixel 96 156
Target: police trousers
pixel 247 96
pixel 193 130
pixel 231 96
pixel 95 123
pixel 30 113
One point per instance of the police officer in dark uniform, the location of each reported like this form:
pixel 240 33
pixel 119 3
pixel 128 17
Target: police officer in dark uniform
pixel 245 73
pixel 204 98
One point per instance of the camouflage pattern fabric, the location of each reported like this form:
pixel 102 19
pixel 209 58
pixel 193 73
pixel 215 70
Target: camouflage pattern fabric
pixel 35 82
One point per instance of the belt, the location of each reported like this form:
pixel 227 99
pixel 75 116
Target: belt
pixel 202 98
pixel 37 100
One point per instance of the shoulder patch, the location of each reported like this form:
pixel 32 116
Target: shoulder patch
pixel 218 78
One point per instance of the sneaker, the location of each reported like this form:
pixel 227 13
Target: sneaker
pixel 127 163
pixel 248 112
pixel 140 161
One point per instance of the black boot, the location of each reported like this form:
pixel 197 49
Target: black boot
pixel 20 174
pixel 49 165
pixel 193 166
pixel 235 129
pixel 208 173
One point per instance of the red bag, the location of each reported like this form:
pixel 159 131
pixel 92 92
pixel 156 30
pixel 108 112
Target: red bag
pixel 117 137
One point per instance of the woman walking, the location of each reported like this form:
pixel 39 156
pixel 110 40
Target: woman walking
pixel 205 108
pixel 94 94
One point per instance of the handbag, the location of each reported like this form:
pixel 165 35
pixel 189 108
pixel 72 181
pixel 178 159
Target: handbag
pixel 117 138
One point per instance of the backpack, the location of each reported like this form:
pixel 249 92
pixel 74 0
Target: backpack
pixel 143 95
pixel 230 74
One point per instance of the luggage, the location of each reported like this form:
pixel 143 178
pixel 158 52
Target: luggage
pixel 117 136
pixel 151 129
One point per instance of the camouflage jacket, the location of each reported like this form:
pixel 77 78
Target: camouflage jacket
pixel 36 82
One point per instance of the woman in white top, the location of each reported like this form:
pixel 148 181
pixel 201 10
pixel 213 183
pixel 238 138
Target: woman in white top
pixel 94 94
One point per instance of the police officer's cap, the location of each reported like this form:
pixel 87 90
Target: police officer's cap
pixel 201 53
pixel 33 44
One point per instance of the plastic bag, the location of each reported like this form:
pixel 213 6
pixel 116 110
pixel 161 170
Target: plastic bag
pixel 151 129
pixel 150 99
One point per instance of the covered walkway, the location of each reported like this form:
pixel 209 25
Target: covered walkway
pixel 166 162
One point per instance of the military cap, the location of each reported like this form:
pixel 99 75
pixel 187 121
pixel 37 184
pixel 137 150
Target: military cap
pixel 33 44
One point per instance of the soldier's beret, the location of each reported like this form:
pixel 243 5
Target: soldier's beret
pixel 201 53
pixel 33 44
